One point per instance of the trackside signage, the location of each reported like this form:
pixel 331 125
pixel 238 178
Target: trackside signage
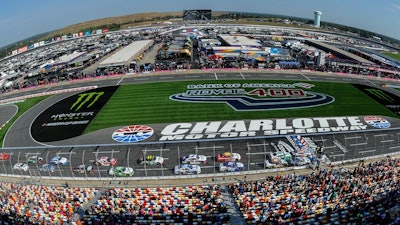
pixel 69 117
pixel 268 127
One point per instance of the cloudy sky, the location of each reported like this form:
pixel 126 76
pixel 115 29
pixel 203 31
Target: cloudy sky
pixel 24 18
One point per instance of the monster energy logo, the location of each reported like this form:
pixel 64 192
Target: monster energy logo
pixel 380 94
pixel 86 98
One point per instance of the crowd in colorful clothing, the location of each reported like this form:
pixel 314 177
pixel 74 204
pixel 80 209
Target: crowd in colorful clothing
pixel 363 195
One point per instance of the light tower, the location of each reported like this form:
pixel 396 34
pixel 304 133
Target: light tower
pixel 317 18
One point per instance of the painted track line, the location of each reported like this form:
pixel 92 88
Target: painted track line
pixel 216 77
pixel 244 78
pixel 306 77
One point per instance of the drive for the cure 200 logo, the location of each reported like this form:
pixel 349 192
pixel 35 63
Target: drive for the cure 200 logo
pixel 255 96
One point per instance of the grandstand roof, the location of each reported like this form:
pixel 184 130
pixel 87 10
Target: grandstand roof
pixel 241 41
pixel 333 50
pixel 124 55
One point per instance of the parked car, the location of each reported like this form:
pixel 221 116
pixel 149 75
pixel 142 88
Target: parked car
pixel 228 157
pixel 121 171
pixel 151 160
pixel 231 167
pixel 58 160
pixel 34 159
pixel 187 169
pixel 4 156
pixel 46 168
pixel 21 166
pixel 83 169
pixel 194 159
pixel 106 161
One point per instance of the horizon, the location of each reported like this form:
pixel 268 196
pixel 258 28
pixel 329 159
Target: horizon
pixel 24 19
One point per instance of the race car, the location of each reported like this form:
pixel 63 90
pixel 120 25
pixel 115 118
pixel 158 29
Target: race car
pixel 4 156
pixel 58 160
pixel 121 171
pixel 106 161
pixel 46 168
pixel 83 169
pixel 231 167
pixel 194 159
pixel 151 160
pixel 21 166
pixel 35 159
pixel 228 157
pixel 300 161
pixel 187 169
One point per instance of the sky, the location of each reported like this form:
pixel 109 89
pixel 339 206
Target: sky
pixel 22 19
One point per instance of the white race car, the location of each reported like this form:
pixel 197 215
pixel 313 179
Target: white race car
pixel 228 157
pixel 21 166
pixel 231 167
pixel 58 160
pixel 187 169
pixel 194 159
pixel 106 161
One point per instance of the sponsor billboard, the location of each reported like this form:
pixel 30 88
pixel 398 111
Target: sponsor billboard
pixel 274 127
pixel 23 49
pixel 197 14
pixel 69 117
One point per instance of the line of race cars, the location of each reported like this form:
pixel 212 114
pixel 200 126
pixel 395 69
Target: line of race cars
pixel 189 164
pixel 298 151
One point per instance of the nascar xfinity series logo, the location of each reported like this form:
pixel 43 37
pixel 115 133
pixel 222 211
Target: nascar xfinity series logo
pixel 255 96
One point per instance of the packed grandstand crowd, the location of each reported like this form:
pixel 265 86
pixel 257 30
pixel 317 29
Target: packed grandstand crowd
pixel 365 194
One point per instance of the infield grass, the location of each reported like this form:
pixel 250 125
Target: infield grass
pixel 149 103
pixel 392 55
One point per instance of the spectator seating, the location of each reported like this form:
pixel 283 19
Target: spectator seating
pixel 335 196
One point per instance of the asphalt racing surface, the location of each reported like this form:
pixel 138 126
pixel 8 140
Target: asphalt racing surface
pixel 20 144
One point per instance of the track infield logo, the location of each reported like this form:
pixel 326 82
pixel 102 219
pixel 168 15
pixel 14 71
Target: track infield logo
pixel 255 96
pixel 87 99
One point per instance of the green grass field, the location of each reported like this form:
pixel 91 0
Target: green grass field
pixel 22 108
pixel 149 103
pixel 392 55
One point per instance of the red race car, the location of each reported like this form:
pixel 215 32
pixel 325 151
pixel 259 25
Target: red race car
pixel 4 156
pixel 228 157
